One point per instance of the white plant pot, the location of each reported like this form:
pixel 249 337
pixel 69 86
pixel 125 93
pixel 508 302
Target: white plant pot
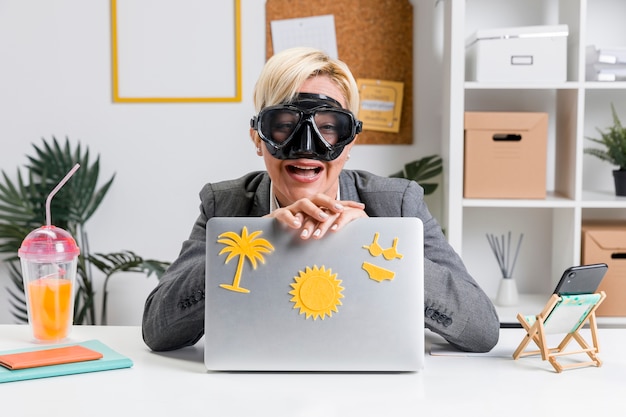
pixel 507 293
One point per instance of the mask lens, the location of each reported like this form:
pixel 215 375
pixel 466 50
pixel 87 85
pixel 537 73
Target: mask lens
pixel 335 127
pixel 278 125
pixel 313 126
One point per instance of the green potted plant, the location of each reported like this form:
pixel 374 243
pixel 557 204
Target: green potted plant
pixel 22 209
pixel 421 170
pixel 613 140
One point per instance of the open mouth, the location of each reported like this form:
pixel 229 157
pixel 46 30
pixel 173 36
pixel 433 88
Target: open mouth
pixel 304 171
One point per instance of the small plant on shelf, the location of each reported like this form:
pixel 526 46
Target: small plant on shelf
pixel 613 141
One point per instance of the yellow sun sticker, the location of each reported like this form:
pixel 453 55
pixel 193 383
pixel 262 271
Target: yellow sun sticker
pixel 316 292
pixel 244 246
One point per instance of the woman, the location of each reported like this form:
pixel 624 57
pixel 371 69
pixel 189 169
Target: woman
pixel 304 130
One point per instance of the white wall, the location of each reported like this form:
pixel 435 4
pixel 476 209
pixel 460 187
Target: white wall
pixel 55 80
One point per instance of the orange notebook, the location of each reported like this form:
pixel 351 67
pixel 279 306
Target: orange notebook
pixel 47 357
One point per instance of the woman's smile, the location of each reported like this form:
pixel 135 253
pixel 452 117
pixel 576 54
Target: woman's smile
pixel 304 172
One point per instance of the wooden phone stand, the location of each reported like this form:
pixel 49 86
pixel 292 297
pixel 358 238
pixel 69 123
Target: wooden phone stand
pixel 563 315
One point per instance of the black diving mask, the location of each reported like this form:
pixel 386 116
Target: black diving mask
pixel 312 126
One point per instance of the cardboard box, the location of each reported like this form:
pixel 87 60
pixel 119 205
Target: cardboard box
pixel 505 155
pixel 605 242
pixel 518 54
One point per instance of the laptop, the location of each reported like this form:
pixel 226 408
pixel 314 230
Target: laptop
pixel 351 301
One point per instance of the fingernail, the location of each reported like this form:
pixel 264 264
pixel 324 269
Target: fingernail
pixel 304 233
pixel 323 214
pixel 334 227
pixel 297 223
pixel 339 206
pixel 317 232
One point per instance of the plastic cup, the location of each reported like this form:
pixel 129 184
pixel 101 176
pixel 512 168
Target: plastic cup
pixel 49 257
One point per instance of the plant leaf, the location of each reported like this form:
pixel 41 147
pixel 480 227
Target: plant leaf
pixel 421 170
pixel 613 140
pixel 126 261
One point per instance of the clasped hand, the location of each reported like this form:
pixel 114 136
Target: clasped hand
pixel 316 215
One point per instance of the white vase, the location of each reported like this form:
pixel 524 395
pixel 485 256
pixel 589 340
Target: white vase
pixel 507 293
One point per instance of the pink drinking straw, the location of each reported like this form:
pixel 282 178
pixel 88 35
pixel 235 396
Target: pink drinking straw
pixel 56 189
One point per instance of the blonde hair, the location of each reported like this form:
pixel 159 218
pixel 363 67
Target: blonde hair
pixel 286 71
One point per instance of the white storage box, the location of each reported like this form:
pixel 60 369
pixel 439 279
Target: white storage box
pixel 518 54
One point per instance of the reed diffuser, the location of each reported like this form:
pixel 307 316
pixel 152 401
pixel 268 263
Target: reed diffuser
pixel 506 256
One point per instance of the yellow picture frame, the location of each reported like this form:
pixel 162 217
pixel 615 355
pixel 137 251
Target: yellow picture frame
pixel 139 77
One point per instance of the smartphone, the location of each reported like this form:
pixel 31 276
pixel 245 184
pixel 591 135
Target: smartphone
pixel 582 279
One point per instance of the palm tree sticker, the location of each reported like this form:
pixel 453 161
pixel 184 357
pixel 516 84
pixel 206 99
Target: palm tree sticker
pixel 244 246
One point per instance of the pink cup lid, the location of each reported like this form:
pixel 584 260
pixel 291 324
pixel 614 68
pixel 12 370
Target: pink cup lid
pixel 48 244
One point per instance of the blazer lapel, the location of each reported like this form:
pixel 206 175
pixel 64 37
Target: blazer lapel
pixel 261 204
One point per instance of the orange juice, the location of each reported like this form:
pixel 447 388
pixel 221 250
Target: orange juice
pixel 50 307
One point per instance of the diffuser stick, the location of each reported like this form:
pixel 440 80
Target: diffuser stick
pixel 501 248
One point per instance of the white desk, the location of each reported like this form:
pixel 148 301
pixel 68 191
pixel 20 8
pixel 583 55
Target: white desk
pixel 177 384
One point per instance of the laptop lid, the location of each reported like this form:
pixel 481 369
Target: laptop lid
pixel 351 301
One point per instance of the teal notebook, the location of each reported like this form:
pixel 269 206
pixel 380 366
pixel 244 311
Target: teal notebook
pixel 110 360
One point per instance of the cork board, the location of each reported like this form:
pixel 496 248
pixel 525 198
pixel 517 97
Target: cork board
pixel 374 38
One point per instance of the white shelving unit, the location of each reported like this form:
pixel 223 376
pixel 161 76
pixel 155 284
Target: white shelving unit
pixel 580 187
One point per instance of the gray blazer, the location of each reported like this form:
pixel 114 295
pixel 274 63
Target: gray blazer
pixel 455 306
